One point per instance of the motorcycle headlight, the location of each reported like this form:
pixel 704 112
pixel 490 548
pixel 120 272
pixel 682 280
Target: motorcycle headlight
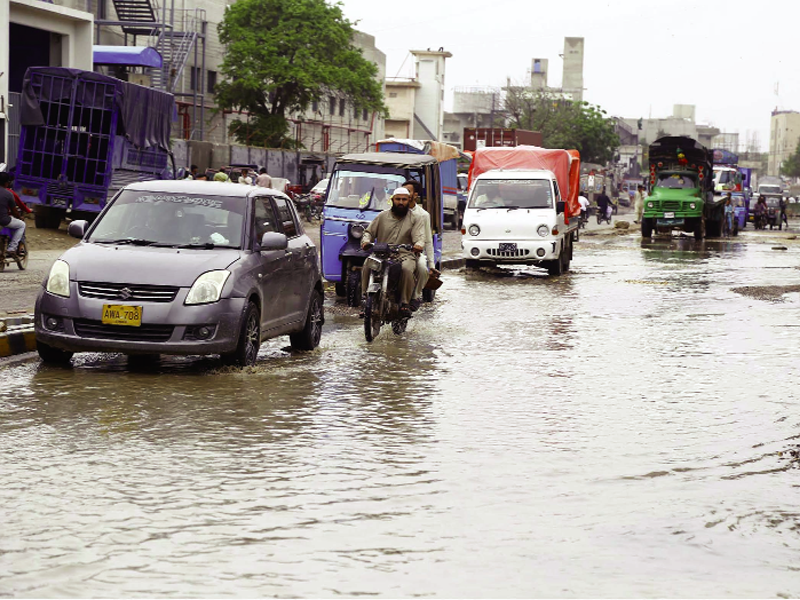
pixel 543 230
pixel 58 280
pixel 650 205
pixel 474 230
pixel 356 231
pixel 373 263
pixel 207 288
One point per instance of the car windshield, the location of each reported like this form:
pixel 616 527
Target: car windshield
pixel 172 219
pixel 769 189
pixel 737 200
pixel 511 193
pixel 675 181
pixel 363 190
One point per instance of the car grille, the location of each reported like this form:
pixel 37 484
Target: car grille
pixel 144 333
pixel 135 292
pixel 509 253
pixel 671 205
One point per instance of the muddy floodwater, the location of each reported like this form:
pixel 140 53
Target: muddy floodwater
pixel 625 430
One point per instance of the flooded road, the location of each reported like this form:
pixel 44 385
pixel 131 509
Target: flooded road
pixel 621 431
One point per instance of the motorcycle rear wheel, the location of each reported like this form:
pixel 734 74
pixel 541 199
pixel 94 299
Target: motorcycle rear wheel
pixel 372 317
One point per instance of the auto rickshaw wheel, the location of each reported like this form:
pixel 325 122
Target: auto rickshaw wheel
pixel 353 288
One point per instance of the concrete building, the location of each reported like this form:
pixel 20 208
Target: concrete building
pixel 416 105
pixel 539 67
pixel 472 107
pixel 36 34
pixel 726 141
pixel 572 79
pixel 784 134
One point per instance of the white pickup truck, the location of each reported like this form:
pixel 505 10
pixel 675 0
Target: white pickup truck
pixel 521 216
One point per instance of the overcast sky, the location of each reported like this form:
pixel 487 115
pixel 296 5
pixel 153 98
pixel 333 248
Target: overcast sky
pixel 726 57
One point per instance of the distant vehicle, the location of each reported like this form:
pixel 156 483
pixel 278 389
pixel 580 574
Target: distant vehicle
pixel 183 267
pixel 769 189
pixel 319 190
pixel 83 138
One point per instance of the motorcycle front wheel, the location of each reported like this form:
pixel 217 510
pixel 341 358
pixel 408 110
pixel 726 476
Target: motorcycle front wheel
pixel 372 316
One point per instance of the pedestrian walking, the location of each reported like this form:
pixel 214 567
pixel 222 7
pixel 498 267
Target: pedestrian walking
pixel 728 215
pixel 783 217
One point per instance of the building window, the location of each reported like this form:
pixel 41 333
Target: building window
pixel 341 107
pixel 365 114
pixel 194 78
pixel 211 81
pixel 333 105
pixel 392 94
pixel 315 106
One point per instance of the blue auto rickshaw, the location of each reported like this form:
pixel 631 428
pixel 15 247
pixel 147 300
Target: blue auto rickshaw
pixel 361 186
pixel 741 205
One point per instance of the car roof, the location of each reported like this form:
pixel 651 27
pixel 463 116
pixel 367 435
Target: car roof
pixel 206 188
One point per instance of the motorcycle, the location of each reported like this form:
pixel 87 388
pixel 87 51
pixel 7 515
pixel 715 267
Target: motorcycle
pixel 604 217
pixel 21 257
pixel 382 304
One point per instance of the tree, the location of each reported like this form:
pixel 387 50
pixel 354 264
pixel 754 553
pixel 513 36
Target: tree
pixel 791 166
pixel 563 123
pixel 282 55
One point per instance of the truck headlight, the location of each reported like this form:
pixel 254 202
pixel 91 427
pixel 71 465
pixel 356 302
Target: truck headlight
pixel 474 230
pixel 543 230
pixel 207 288
pixel 692 205
pixel 650 205
pixel 58 280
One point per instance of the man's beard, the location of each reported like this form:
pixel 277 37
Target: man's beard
pixel 399 210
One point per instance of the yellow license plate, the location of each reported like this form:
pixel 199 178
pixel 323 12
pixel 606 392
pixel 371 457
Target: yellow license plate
pixel 118 314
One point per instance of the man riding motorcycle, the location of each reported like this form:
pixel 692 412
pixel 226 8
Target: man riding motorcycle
pixel 426 265
pixel 398 225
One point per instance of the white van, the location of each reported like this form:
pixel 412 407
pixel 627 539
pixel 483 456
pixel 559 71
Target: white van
pixel 517 217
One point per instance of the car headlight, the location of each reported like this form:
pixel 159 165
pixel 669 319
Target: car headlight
pixel 543 230
pixel 650 205
pixel 58 280
pixel 373 263
pixel 207 288
pixel 356 231
pixel 692 205
pixel 474 230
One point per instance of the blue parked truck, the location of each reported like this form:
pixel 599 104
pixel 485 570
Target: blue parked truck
pixel 84 136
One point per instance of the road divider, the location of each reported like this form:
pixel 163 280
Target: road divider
pixel 16 335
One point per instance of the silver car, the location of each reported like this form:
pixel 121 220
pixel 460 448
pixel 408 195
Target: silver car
pixel 184 267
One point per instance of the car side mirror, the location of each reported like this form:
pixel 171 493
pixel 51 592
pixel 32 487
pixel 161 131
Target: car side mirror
pixel 560 207
pixel 77 228
pixel 272 240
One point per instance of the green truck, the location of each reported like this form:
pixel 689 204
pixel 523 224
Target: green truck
pixel 682 190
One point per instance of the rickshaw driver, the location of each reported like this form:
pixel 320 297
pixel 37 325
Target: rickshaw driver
pixel 398 225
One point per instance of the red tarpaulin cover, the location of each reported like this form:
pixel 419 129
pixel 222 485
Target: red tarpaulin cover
pixel 565 165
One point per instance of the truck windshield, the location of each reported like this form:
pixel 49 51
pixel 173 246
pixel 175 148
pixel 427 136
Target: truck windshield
pixel 721 177
pixel 363 190
pixel 170 219
pixel 511 193
pixel 676 181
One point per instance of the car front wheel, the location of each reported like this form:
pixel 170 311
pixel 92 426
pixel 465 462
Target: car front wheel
pixel 52 355
pixel 249 340
pixel 309 337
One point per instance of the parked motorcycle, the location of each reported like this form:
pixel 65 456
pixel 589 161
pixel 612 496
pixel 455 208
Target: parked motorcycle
pixel 21 257
pixel 382 304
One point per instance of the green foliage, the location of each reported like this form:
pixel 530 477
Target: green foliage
pixel 281 55
pixel 563 123
pixel 791 166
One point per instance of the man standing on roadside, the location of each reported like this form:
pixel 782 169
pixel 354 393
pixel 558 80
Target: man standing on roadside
pixel 263 180
pixel 10 216
pixel 638 203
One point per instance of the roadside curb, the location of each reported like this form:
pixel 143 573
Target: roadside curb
pixel 453 263
pixel 17 335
